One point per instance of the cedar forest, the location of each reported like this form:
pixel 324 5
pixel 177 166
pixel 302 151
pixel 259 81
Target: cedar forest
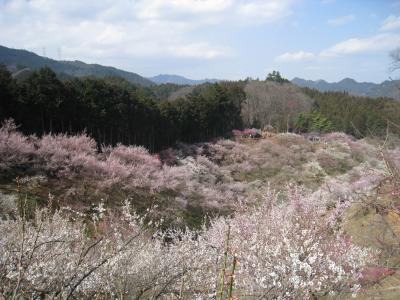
pixel 114 111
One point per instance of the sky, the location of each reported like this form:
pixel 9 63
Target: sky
pixel 225 39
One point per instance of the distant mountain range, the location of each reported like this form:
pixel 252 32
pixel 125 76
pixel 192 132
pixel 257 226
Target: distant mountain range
pixel 22 61
pixel 387 88
pixel 176 79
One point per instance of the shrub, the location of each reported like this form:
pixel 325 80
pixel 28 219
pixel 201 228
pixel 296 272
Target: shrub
pixel 66 154
pixel 283 251
pixel 16 150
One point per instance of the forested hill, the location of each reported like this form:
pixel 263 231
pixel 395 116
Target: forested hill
pixel 390 89
pixel 17 60
pixel 113 111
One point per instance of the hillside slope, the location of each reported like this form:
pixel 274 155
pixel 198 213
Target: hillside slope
pixel 295 207
pixel 16 59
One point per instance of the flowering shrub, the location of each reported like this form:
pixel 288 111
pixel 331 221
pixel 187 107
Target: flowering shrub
pixel 287 252
pixel 279 251
pixel 375 274
pixel 50 256
pixel 65 154
pixel 257 242
pixel 132 156
pixel 193 179
pixel 15 149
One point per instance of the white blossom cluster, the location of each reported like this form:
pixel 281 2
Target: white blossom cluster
pixel 271 251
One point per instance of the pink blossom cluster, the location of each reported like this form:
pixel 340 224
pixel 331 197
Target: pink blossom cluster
pixel 15 148
pixel 200 178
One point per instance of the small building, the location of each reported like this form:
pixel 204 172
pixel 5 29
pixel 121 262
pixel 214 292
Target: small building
pixel 247 133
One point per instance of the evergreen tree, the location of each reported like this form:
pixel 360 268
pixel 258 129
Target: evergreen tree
pixel 275 76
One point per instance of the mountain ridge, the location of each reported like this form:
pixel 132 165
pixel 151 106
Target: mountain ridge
pixel 390 89
pixel 180 80
pixel 17 59
pixel 21 62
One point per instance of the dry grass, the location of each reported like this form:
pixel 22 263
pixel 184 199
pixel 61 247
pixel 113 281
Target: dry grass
pixel 373 222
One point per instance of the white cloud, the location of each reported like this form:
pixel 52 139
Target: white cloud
pixel 340 21
pixel 295 56
pixel 265 11
pixel 198 50
pixel 170 9
pixel 386 42
pixel 92 30
pixel 390 23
